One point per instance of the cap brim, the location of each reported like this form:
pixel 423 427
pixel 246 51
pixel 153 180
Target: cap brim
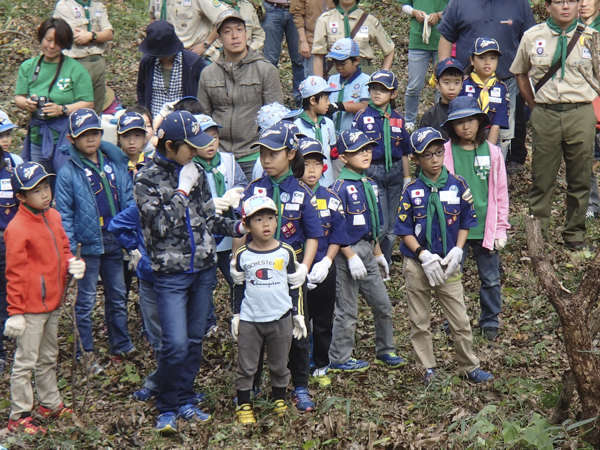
pixel 258 210
pixel 200 141
pixel 4 128
pixel 271 145
pixel 337 56
pixel 360 147
pixel 490 50
pixel 391 88
pixel 87 129
pixel 136 127
pixel 468 112
pixel 293 114
pixel 331 89
pixel 37 182
pixel 442 140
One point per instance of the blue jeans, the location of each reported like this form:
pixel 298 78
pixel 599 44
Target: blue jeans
pixel 183 301
pixel 277 23
pixel 418 63
pixel 110 267
pixel 3 301
pixel 308 67
pixel 35 153
pixel 152 327
pixel 488 266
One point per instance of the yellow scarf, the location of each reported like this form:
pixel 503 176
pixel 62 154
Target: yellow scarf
pixel 484 96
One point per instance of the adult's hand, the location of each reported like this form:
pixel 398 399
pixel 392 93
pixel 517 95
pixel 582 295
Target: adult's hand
pixel 199 49
pixel 433 18
pixel 419 15
pixel 52 109
pixel 81 37
pixel 305 49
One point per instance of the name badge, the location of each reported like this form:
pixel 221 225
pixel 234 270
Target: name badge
pixel 495 92
pixel 98 12
pixel 324 213
pixel 187 3
pixel 449 197
pixel 6 194
pixel 298 197
pixel 482 161
pixel 363 32
pixel 359 220
pixel 585 54
pixel 495 100
pixel 5 185
pixel 292 207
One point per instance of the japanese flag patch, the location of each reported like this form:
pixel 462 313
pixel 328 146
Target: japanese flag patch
pixel 351 189
pixel 470 89
pixel 260 191
pixel 368 120
pixel 417 193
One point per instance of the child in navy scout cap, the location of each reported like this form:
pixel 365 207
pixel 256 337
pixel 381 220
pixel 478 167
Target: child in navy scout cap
pixel 131 137
pixel 361 264
pixel 389 167
pixel 321 279
pixel 435 214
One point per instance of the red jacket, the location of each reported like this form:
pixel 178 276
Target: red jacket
pixel 37 259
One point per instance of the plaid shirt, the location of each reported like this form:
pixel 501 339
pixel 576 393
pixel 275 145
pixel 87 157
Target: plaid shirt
pixel 160 95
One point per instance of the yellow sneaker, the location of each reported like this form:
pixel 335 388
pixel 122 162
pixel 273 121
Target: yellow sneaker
pixel 320 377
pixel 280 407
pixel 245 414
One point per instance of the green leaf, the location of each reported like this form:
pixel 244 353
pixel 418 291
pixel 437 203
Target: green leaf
pixel 62 383
pixel 310 444
pixel 134 377
pixel 381 441
pixel 580 423
pixel 510 431
pixel 333 441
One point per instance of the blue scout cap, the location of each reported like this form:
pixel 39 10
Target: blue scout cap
pixel 352 141
pixel 27 176
pixel 445 64
pixel 5 123
pixel 343 49
pixel 421 138
pixel 131 121
pixel 462 107
pixel 183 126
pixel 485 44
pixel 82 120
pixel 310 146
pixel 385 77
pixel 313 85
pixel 256 203
pixel 206 122
pixel 279 136
pixel 269 115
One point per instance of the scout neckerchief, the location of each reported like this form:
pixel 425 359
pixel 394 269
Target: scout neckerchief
pixel 340 98
pixel 316 187
pixel 347 29
pixel 595 24
pixel 233 3
pixel 563 42
pixel 212 167
pixel 348 174
pixel 481 170
pixel 484 95
pixel 316 125
pixel 163 10
pixel 387 134
pixel 103 180
pixel 434 206
pixel 277 197
pixel 86 9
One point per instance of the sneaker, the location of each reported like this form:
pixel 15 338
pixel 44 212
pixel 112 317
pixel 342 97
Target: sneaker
pixel 25 425
pixel 167 423
pixel 320 377
pixel 245 414
pixel 280 407
pixel 198 398
pixel 353 365
pixel 591 214
pixel 480 376
pixel 144 394
pixel 302 399
pixel 191 412
pixel 2 365
pixel 93 367
pixel 490 333
pixel 391 360
pixel 120 357
pixel 513 168
pixel 212 331
pixel 58 413
pixel 429 377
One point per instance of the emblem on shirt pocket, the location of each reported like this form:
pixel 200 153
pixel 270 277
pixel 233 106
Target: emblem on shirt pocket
pixel 298 197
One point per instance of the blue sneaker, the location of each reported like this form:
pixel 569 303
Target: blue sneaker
pixel 302 399
pixel 353 365
pixel 144 394
pixel 480 376
pixel 191 412
pixel 167 423
pixel 391 360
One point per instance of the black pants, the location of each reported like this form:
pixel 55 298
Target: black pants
pixel 321 302
pixel 518 151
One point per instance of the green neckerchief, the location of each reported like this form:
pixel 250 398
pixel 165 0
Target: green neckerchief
pixel 277 197
pixel 387 134
pixel 33 210
pixel 163 10
pixel 212 167
pixel 595 24
pixel 234 3
pixel 316 125
pixel 103 180
pixel 86 9
pixel 563 42
pixel 347 29
pixel 316 187
pixel 434 206
pixel 340 98
pixel 348 174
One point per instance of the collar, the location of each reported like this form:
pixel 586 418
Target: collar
pixel 141 160
pixel 353 15
pixel 354 76
pixel 163 161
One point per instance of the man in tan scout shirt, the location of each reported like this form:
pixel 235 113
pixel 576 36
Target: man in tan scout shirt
pixel 339 23
pixel 91 30
pixel 562 117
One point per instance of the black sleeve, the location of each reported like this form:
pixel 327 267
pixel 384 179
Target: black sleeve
pixel 239 289
pixel 295 294
pixel 141 81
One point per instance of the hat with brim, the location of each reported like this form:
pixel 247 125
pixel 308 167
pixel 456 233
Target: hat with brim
pixel 230 14
pixel 83 120
pixel 310 146
pixel 462 107
pixel 486 44
pixel 206 122
pixel 281 135
pixel 28 175
pixel 183 126
pixel 384 77
pixel 257 203
pixel 109 99
pixel 269 115
pixel 131 121
pixel 314 85
pixel 352 140
pixel 161 40
pixel 421 139
pixel 343 49
pixel 5 123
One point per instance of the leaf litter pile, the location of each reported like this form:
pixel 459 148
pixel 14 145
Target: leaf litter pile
pixel 380 408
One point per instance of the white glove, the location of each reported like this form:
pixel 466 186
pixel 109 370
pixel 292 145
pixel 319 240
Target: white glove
pixel 235 326
pixel 134 259
pixel 357 268
pixel 432 268
pixel 310 285
pixel 406 182
pixel 299 331
pixel 237 277
pixel 383 267
pixel 298 278
pixel 233 196
pixel 168 108
pixel 76 268
pixel 452 260
pixel 319 271
pixel 14 327
pixel 188 175
pixel 220 205
pixel 499 244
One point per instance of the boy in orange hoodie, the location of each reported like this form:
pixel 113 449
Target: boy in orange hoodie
pixel 36 246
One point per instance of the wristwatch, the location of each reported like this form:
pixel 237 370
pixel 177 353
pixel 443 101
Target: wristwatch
pixel 94 36
pixel 206 45
pixel 418 250
pixel 65 110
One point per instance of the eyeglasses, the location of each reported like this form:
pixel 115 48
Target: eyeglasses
pixel 362 151
pixel 562 2
pixel 439 154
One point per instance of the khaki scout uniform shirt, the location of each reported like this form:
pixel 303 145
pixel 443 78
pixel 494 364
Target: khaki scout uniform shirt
pixel 534 56
pixel 330 28
pixel 74 14
pixel 306 13
pixel 193 19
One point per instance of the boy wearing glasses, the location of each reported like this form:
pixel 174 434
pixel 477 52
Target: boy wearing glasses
pixel 434 216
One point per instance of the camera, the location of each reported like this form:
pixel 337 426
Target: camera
pixel 40 103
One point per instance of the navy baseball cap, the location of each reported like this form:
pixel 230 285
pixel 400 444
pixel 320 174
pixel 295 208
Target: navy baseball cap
pixel 83 120
pixel 27 176
pixel 283 134
pixel 462 107
pixel 352 140
pixel 310 146
pixel 343 49
pixel 421 138
pixel 486 44
pixel 131 121
pixel 445 64
pixel 385 77
pixel 183 126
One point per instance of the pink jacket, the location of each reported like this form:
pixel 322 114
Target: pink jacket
pixel 496 222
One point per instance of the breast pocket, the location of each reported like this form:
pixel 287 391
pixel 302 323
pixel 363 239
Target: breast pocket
pixel 217 91
pixel 357 208
pixel 452 213
pixel 249 91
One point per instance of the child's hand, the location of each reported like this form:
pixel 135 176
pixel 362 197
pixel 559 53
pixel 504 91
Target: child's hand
pixel 134 259
pixel 220 205
pixel 357 268
pixel 188 175
pixel 383 267
pixel 453 260
pixel 319 271
pixel 298 278
pixel 77 268
pixel 15 326
pixel 432 268
pixel 299 330
pixel 233 196
pixel 235 326
pixel 237 277
pixel 499 244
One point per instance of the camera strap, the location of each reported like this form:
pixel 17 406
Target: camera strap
pixel 38 67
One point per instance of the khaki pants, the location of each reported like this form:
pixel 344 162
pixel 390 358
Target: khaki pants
pixel 37 351
pixel 450 296
pixel 97 70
